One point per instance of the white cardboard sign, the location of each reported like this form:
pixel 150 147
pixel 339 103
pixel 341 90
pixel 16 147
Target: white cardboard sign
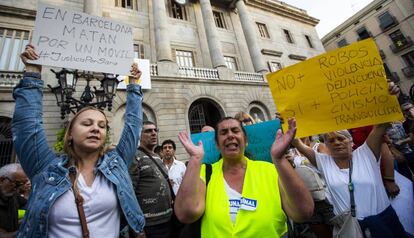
pixel 144 66
pixel 69 39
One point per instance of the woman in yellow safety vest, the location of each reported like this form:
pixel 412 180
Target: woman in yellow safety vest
pixel 244 198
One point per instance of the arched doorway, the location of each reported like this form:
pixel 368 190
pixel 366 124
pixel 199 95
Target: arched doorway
pixel 203 112
pixel 6 141
pixel 258 111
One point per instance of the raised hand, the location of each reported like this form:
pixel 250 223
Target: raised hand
pixel 282 141
pixel 135 74
pixel 30 54
pixel 393 89
pixel 195 152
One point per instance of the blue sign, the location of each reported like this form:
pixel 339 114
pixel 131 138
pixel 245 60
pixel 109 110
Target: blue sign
pixel 260 138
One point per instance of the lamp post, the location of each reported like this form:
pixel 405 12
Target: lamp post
pixel 64 92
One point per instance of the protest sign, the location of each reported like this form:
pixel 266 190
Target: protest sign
pixel 342 89
pixel 260 138
pixel 69 39
pixel 144 66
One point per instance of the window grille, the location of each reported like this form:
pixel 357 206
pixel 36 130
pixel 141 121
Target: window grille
pixel 184 58
pixel 219 19
pixel 231 62
pixel 128 4
pixel 263 30
pixel 197 118
pixel 288 36
pixel 12 43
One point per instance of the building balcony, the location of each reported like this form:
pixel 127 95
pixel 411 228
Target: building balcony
pixel 366 36
pixel 9 79
pixel 401 44
pixel 213 74
pixel 199 73
pixel 388 25
pixel 408 71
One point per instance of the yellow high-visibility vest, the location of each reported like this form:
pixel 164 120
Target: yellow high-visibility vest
pixel 262 214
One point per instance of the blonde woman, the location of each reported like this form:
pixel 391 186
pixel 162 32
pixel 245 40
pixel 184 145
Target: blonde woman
pixel 98 179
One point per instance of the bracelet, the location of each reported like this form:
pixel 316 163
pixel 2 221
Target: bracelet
pixel 388 178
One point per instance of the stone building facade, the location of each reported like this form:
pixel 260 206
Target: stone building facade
pixel 391 24
pixel 208 58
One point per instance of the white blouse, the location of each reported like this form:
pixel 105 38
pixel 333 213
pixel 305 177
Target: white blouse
pixel 101 210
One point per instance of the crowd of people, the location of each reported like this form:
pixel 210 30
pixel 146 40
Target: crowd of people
pixel 338 184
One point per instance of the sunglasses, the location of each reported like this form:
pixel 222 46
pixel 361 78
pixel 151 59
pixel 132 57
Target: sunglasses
pixel 17 184
pixel 150 130
pixel 246 120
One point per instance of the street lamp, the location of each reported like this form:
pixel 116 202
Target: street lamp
pixel 67 86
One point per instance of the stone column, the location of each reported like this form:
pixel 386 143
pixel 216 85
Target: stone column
pixel 214 45
pixel 250 33
pixel 93 7
pixel 162 40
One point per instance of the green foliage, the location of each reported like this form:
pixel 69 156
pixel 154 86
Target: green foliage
pixel 58 146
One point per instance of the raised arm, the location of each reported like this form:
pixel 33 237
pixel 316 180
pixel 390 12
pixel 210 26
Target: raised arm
pixel 296 199
pixel 305 150
pixel 131 133
pixel 375 138
pixel 191 197
pixel 29 137
pixel 387 160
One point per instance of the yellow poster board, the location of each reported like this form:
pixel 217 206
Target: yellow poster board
pixel 342 89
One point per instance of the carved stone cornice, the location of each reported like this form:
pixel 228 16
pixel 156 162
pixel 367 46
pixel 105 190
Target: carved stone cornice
pixel 272 52
pixel 297 57
pixel 284 10
pixel 17 12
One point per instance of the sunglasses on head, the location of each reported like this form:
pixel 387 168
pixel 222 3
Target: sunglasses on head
pixel 246 120
pixel 151 130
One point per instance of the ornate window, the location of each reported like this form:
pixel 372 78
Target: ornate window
pixel 128 4
pixel 258 111
pixel 387 21
pixel 12 43
pixel 363 33
pixel 177 11
pixel 219 19
pixel 184 58
pixel 231 62
pixel 342 43
pixel 139 51
pixel 309 40
pixel 274 66
pixel 203 112
pixel 288 36
pixel 263 30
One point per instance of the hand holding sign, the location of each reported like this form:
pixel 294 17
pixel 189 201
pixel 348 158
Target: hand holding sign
pixel 30 54
pixel 342 89
pixel 135 74
pixel 77 40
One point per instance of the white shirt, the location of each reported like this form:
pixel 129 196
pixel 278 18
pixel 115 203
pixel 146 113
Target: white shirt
pixel 176 174
pixel 369 192
pixel 234 200
pixel 101 210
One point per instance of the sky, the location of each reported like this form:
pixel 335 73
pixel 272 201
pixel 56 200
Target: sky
pixel 331 13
